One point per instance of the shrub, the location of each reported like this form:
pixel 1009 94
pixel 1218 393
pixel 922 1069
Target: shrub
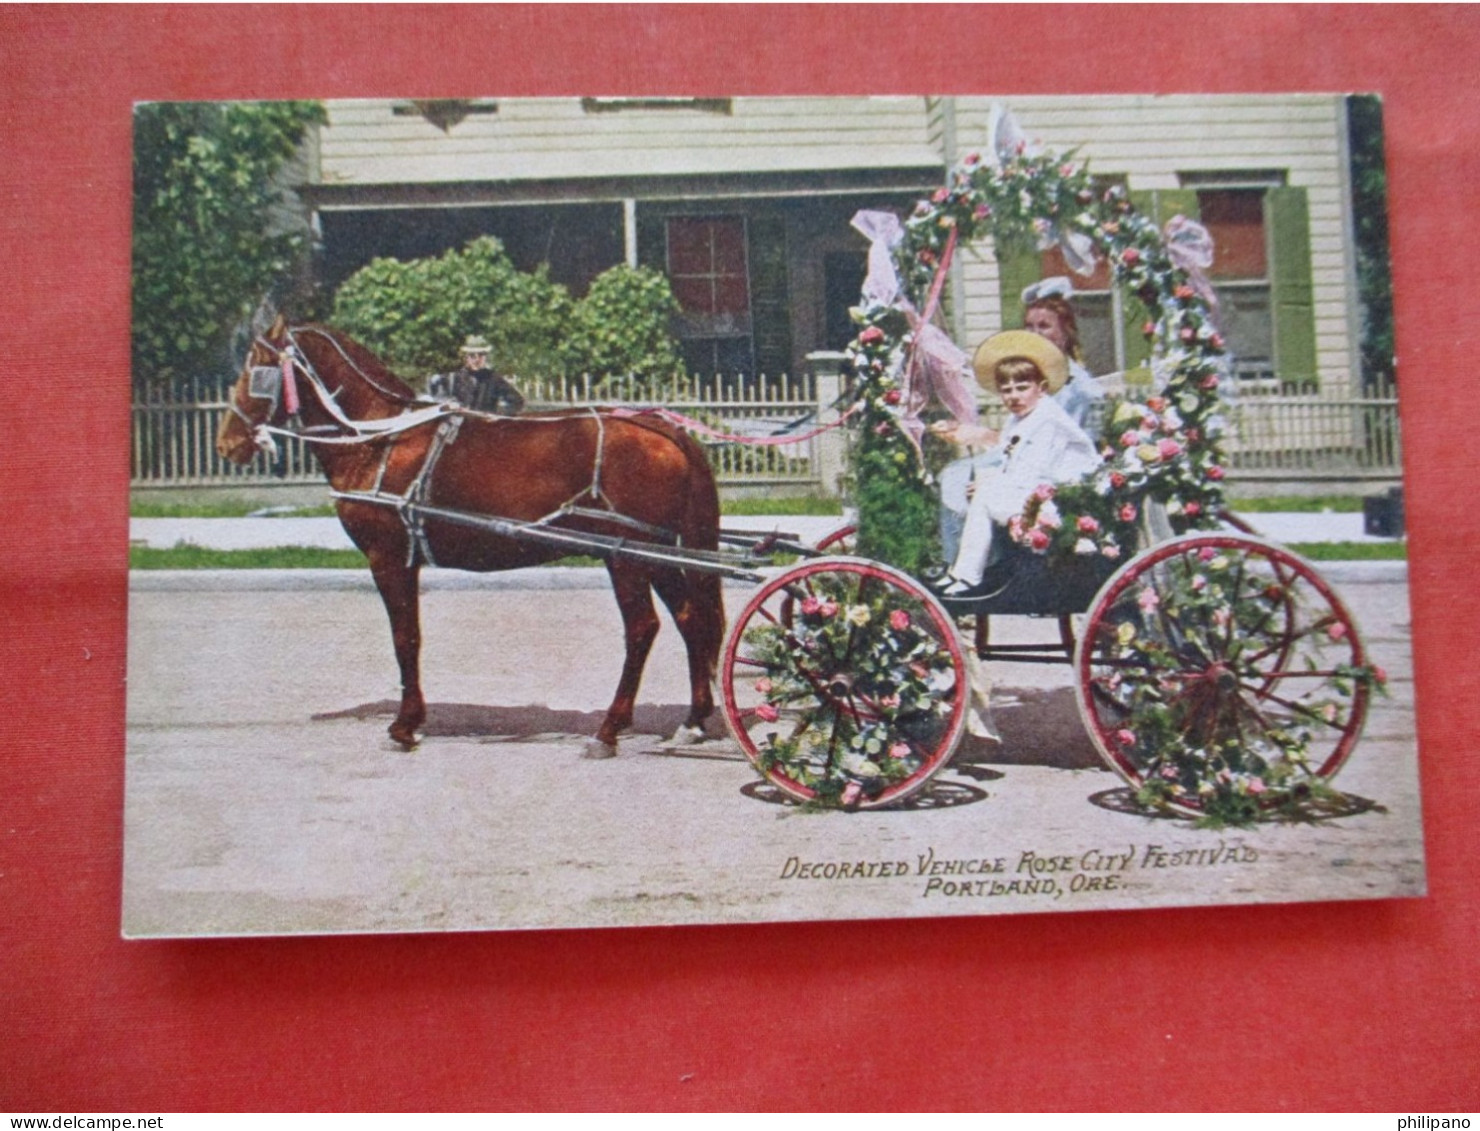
pixel 416 314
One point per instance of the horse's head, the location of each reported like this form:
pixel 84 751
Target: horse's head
pixel 257 400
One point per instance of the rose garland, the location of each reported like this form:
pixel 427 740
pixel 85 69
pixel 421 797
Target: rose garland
pixel 1165 449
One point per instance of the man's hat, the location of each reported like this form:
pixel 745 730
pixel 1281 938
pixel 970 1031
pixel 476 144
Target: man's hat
pixel 476 343
pixel 1039 350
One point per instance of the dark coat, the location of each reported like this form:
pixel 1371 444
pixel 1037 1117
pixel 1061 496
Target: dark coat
pixel 479 389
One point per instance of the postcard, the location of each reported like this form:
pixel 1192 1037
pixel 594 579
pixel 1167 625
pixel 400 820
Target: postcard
pixel 595 512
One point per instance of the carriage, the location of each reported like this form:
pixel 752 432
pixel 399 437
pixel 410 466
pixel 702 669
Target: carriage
pixel 1216 672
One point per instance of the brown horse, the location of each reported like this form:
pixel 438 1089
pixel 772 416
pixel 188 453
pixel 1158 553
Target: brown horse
pixel 374 437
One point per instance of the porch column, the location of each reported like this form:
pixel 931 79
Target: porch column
pixel 629 230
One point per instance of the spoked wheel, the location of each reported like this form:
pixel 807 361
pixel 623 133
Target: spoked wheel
pixel 845 684
pixel 843 540
pixel 1220 675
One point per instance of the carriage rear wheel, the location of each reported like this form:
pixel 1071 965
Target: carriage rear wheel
pixel 1216 666
pixel 845 684
pixel 843 540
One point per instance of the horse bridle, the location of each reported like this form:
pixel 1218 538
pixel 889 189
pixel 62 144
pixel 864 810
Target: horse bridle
pixel 279 383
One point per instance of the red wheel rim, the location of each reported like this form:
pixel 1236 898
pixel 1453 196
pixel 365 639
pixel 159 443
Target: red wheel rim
pixel 807 693
pixel 1226 647
pixel 841 541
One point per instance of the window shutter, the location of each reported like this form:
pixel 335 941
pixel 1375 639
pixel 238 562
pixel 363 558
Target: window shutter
pixel 1287 222
pixel 1019 265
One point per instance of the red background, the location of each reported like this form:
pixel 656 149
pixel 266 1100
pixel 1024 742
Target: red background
pixel 1344 1006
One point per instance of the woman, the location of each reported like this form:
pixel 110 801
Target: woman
pixel 1039 443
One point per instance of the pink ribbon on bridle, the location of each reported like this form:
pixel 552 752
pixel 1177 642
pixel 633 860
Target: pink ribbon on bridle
pixel 290 384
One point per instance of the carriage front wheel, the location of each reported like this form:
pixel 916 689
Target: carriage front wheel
pixel 845 684
pixel 1220 674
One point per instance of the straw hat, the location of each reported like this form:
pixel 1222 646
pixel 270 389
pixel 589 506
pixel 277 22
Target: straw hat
pixel 1039 350
pixel 476 343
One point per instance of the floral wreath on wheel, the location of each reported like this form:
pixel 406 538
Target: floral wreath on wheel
pixel 1164 449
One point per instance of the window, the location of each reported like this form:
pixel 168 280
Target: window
pixel 1234 217
pixel 1261 272
pixel 708 270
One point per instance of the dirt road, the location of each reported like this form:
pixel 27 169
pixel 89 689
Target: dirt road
pixel 264 797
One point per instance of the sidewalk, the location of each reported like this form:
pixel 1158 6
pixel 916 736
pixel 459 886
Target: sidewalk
pixel 326 533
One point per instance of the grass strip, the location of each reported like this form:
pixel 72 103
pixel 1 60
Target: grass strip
pixel 1352 551
pixel 186 555
pixel 1298 504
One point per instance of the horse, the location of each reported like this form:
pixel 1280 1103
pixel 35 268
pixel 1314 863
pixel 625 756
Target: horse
pixel 574 473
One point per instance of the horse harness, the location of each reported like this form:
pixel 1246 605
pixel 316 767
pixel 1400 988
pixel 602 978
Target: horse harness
pixel 278 383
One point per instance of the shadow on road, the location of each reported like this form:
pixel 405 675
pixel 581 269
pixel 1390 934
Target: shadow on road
pixel 1038 727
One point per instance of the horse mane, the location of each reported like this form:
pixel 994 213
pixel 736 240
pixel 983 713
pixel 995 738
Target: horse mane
pixel 361 358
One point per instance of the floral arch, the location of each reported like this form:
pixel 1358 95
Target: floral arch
pixel 1164 449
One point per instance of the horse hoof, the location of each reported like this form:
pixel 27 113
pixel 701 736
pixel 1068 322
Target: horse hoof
pixel 596 749
pixel 405 739
pixel 686 736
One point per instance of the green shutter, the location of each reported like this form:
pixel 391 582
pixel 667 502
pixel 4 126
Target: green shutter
pixel 1019 265
pixel 1292 301
pixel 1170 202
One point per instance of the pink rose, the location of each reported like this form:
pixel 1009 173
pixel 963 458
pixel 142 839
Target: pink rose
pixel 827 609
pixel 763 685
pixel 1193 509
pixel 1129 439
pixel 1188 333
pixel 870 335
pixel 1148 600
pixel 899 620
pixel 1256 785
pixel 1215 473
pixel 1088 523
pixel 940 196
pixel 1130 257
pixel 810 605
pixel 851 793
pixel 1125 737
pixel 1015 527
pixel 1038 540
pixel 1337 631
pixel 982 211
pixel 1184 292
pixel 1066 169
pixel 882 428
pixel 1216 341
pixel 1044 491
pixel 1157 404
pixel 1379 674
pixel 1209 382
pixel 1117 480
pixel 899 750
pixel 893 396
pixel 1111 552
pixel 767 712
pixel 972 159
pixel 1128 513
pixel 1168 449
pixel 1207 554
pixel 1148 329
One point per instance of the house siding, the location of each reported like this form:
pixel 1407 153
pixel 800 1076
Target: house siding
pixel 366 142
pixel 1153 139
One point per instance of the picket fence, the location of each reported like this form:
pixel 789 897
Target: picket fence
pixel 1271 435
